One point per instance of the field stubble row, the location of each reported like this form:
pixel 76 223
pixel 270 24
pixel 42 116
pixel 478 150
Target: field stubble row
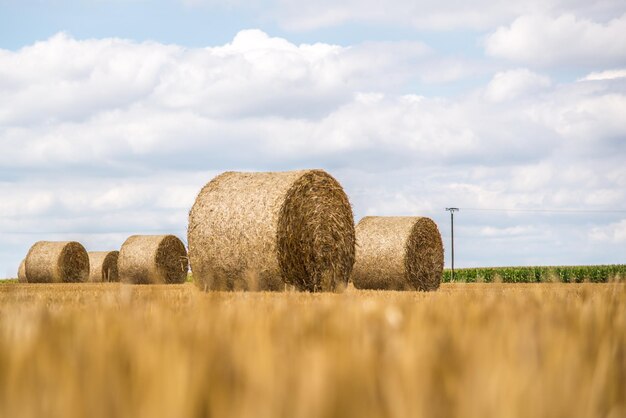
pixel 468 350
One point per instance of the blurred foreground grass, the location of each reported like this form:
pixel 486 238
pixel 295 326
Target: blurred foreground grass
pixel 467 350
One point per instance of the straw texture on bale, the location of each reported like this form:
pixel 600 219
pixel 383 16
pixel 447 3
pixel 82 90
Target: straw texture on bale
pixel 21 272
pixel 153 259
pixel 262 231
pixel 103 266
pixel 56 262
pixel 398 253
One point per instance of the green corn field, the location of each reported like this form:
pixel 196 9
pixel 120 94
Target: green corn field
pixel 539 274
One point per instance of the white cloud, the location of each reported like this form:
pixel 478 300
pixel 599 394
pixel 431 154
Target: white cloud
pixel 422 14
pixel 489 231
pixel 295 14
pixel 120 139
pixel 614 233
pixel 253 75
pixel 21 203
pixel 541 40
pixel 512 84
pixel 605 75
pixel 585 116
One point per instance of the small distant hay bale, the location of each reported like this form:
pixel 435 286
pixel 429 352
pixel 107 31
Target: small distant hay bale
pixel 263 231
pixel 153 259
pixel 398 253
pixel 103 266
pixel 56 262
pixel 21 272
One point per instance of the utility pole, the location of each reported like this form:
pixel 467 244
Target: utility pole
pixel 452 210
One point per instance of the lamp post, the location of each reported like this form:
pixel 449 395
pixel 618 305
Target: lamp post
pixel 452 210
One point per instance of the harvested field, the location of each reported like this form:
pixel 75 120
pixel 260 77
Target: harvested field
pixel 502 350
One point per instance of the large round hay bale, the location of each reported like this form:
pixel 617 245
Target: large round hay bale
pixel 21 272
pixel 56 262
pixel 103 266
pixel 398 253
pixel 261 231
pixel 153 259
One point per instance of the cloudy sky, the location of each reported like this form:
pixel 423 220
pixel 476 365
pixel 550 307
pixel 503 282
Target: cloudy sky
pixel 113 115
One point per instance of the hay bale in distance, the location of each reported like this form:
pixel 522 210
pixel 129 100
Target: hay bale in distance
pixel 398 253
pixel 56 262
pixel 103 266
pixel 21 272
pixel 153 259
pixel 261 231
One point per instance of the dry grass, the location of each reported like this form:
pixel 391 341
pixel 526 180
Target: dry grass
pixel 21 272
pixel 262 231
pixel 56 261
pixel 152 259
pixel 467 350
pixel 103 266
pixel 398 253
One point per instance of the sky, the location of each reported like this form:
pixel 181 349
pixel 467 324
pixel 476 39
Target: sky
pixel 113 115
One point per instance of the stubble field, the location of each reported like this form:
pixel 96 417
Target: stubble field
pixel 467 350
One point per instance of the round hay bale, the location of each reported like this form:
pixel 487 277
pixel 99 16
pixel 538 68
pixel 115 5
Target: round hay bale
pixel 153 259
pixel 398 253
pixel 56 262
pixel 261 231
pixel 21 272
pixel 103 266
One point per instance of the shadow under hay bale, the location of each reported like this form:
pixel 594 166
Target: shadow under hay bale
pixel 152 259
pixel 103 266
pixel 398 253
pixel 56 262
pixel 21 272
pixel 262 231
